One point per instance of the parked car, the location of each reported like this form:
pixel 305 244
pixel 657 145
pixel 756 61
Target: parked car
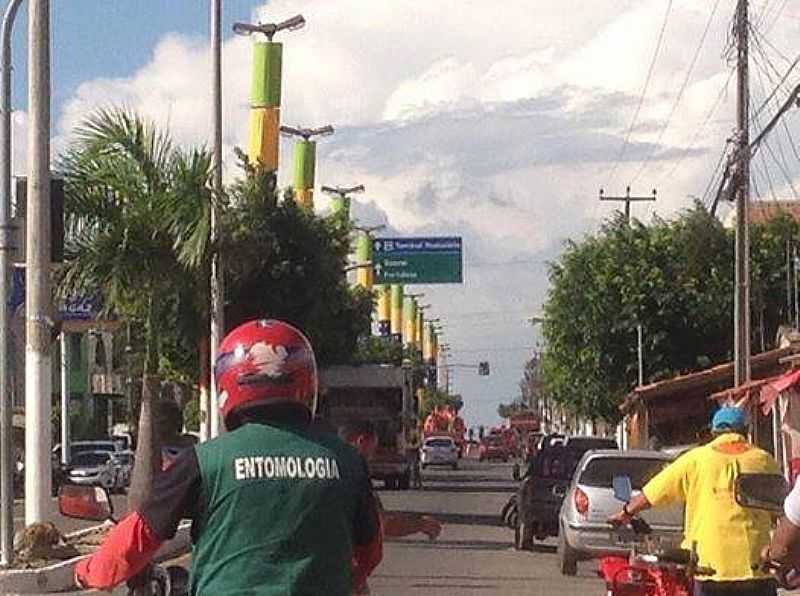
pixel 439 451
pixel 584 532
pixel 545 483
pixel 493 447
pixel 76 447
pixel 94 468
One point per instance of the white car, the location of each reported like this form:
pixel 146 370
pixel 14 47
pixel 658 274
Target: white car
pixel 439 451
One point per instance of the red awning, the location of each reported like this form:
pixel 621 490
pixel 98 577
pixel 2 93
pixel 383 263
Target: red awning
pixel 770 391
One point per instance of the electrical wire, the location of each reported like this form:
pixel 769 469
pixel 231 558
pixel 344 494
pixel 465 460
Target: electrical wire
pixel 701 129
pixel 757 122
pixel 644 90
pixel 782 163
pixel 679 96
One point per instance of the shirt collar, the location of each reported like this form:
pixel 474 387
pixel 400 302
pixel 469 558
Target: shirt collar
pixel 729 438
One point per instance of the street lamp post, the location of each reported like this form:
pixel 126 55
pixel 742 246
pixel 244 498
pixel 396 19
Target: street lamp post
pixel 6 404
pixel 210 426
pixel 305 161
pixel 341 198
pixel 265 92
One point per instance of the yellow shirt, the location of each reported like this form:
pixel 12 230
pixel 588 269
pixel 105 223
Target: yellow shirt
pixel 729 537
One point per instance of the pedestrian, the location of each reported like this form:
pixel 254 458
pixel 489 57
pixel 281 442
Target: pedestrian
pixel 394 524
pixel 278 507
pixel 729 537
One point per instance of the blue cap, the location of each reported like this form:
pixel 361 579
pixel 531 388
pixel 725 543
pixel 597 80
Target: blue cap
pixel 729 417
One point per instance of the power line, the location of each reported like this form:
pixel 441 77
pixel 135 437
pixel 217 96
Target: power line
pixel 701 128
pixel 644 89
pixel 782 165
pixel 681 91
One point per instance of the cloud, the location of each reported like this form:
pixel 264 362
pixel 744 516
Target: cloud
pixel 461 118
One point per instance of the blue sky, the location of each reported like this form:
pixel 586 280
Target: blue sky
pixel 112 38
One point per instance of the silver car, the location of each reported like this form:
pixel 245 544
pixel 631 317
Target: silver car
pixel 93 468
pixel 439 451
pixel 584 531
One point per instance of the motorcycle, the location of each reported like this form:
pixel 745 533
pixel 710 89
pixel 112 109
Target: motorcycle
pixel 650 572
pixel 93 503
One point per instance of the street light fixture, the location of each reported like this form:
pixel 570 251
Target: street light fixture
pixel 354 266
pixel 307 133
pixel 343 191
pixel 270 29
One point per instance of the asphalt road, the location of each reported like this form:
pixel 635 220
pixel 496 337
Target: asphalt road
pixel 474 554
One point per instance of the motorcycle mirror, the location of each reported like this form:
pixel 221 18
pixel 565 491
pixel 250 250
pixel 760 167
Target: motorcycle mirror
pixel 90 503
pixel 761 491
pixel 622 488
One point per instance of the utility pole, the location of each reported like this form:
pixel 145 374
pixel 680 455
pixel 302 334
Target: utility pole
pixel 796 292
pixel 39 323
pixel 7 462
pixel 65 427
pixel 742 298
pixel 627 199
pixel 640 345
pixel 217 331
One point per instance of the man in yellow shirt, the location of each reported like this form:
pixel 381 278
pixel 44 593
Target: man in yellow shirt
pixel 729 537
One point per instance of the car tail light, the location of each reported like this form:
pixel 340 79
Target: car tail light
pixel 581 501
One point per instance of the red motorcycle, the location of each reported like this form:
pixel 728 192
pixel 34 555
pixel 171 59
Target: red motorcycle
pixel 648 570
pixel 669 573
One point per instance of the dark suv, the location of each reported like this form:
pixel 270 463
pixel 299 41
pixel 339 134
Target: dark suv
pixel 545 483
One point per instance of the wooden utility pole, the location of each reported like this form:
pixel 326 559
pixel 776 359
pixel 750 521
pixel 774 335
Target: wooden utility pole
pixel 742 298
pixel 627 199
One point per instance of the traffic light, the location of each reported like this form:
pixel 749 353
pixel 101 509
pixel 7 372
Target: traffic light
pixel 483 369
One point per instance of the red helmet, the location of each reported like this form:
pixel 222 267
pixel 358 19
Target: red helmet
pixel 262 362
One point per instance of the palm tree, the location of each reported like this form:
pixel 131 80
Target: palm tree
pixel 137 220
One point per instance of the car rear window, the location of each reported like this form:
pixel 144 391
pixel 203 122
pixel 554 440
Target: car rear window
pixel 439 443
pixel 587 443
pixel 600 471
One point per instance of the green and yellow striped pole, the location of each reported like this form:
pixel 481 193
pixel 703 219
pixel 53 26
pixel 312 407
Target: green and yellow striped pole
pixel 420 330
pixel 397 311
pixel 409 321
pixel 384 310
pixel 265 105
pixel 340 207
pixel 305 161
pixel 365 274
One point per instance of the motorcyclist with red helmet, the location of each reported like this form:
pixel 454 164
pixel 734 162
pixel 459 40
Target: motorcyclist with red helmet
pixel 278 506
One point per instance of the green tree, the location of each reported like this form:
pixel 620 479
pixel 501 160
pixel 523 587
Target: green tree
pixel 136 211
pixel 517 406
pixel 675 279
pixel 283 262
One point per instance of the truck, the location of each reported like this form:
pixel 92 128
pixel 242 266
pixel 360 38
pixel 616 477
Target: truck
pixel 445 421
pixel 382 394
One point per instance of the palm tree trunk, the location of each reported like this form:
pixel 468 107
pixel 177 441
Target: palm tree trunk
pixel 148 449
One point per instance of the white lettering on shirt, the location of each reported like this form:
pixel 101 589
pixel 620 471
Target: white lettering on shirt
pixel 279 467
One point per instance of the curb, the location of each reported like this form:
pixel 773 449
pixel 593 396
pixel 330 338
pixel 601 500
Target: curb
pixel 59 576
